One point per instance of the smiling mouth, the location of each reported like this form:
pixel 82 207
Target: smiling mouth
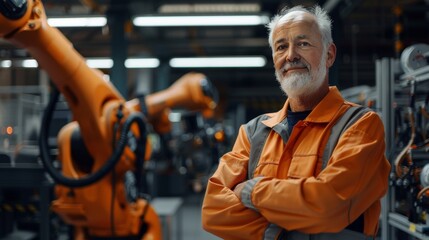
pixel 294 69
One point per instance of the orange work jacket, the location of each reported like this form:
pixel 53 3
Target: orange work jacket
pixel 292 191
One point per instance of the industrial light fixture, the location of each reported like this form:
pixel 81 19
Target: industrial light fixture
pixel 5 63
pixel 29 63
pixel 24 63
pixel 196 62
pixel 100 63
pixel 106 63
pixel 141 63
pixel 32 63
pixel 164 20
pixel 218 20
pixel 209 8
pixel 98 21
pixel 216 62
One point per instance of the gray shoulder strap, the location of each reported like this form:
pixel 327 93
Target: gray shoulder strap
pixel 257 134
pixel 346 120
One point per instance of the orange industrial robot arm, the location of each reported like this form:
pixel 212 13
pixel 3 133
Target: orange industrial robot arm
pixel 102 208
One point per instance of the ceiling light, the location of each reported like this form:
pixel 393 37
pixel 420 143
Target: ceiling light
pixel 29 63
pixel 78 22
pixel 214 62
pixel 141 63
pixel 101 63
pixel 23 63
pixel 171 21
pixel 211 7
pixel 6 63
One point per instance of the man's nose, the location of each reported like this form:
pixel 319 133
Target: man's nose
pixel 292 55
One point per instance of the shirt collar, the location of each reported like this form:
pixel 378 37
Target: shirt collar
pixel 323 112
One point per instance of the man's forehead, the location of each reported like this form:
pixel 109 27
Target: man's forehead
pixel 305 23
pixel 297 15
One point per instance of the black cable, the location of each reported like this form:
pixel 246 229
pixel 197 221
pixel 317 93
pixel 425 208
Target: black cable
pixel 134 117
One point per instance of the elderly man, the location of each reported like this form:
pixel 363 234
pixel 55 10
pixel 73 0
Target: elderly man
pixel 316 169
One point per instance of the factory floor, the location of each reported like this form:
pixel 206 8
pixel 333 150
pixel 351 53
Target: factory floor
pixel 184 224
pixel 192 229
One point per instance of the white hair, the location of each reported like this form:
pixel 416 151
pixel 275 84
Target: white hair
pixel 322 19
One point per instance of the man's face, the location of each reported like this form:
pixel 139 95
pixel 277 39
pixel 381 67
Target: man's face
pixel 299 58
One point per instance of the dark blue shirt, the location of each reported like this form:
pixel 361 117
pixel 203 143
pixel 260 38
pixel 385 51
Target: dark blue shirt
pixel 294 117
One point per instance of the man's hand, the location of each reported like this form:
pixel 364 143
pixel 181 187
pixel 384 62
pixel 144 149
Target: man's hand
pixel 237 190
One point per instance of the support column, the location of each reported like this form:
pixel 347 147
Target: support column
pixel 162 81
pixel 118 18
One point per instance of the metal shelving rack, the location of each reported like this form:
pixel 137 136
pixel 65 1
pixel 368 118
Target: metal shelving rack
pixel 388 83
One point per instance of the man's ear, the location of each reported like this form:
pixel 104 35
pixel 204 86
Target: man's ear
pixel 332 53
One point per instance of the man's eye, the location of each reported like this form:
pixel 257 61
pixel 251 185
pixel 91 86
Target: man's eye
pixel 281 47
pixel 304 44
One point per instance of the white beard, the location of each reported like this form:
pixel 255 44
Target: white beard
pixel 299 84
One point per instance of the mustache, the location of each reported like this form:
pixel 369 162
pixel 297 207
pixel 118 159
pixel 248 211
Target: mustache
pixel 294 64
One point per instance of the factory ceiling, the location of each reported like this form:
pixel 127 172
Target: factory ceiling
pixel 363 30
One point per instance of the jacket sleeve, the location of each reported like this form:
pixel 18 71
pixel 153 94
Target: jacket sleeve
pixel 355 179
pixel 223 214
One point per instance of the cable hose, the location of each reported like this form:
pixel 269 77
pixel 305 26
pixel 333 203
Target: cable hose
pixel 106 168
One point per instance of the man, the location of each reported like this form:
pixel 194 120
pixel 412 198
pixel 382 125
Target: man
pixel 292 193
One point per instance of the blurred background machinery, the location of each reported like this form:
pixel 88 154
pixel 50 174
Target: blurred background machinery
pixel 25 191
pixel 404 93
pixel 184 159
